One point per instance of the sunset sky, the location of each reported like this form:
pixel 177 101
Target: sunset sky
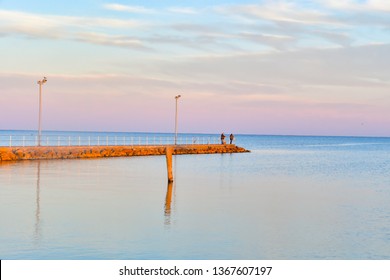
pixel 318 67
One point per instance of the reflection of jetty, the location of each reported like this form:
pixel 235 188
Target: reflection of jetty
pixel 73 152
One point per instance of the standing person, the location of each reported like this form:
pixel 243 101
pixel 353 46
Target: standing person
pixel 223 139
pixel 231 138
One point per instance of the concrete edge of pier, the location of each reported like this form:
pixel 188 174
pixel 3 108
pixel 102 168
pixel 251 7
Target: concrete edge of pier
pixel 79 152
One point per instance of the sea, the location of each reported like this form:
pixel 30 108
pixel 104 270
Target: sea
pixel 289 198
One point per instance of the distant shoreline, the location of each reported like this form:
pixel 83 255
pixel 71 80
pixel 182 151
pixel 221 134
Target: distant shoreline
pixel 50 132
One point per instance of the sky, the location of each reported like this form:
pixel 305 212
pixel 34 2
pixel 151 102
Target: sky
pixel 318 67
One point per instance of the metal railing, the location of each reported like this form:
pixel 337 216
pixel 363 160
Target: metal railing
pixel 101 140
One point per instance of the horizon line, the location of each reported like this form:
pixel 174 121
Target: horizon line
pixel 244 134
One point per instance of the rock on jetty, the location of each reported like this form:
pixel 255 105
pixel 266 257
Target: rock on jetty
pixel 72 152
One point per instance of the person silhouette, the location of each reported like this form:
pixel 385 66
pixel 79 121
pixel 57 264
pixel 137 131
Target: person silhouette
pixel 231 138
pixel 223 139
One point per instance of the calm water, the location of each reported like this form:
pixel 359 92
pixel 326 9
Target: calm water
pixel 290 198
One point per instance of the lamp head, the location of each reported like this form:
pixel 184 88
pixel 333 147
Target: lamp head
pixel 41 82
pixel 177 96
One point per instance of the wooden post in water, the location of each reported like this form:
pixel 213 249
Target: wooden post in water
pixel 168 153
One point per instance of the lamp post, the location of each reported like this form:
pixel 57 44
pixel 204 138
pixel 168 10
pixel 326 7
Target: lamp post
pixel 176 97
pixel 40 83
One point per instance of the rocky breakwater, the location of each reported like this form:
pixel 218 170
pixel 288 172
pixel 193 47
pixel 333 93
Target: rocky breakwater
pixel 72 152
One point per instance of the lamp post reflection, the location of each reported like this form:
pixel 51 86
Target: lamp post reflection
pixel 168 198
pixel 37 233
pixel 168 202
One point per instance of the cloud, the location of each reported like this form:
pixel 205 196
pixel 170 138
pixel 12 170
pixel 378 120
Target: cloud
pixel 274 63
pixel 128 9
pixel 350 5
pixel 280 42
pixel 183 10
pixel 322 23
pixel 144 10
pixel 297 92
pixel 16 18
pixel 267 26
pixel 280 11
pixel 340 73
pixel 110 40
pixel 341 39
pixel 369 14
pixel 283 25
pixel 379 5
pixel 68 28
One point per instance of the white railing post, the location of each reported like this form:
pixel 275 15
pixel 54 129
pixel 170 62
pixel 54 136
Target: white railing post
pixel 79 141
pixel 10 140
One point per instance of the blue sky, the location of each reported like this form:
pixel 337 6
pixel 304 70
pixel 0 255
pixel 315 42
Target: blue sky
pixel 268 67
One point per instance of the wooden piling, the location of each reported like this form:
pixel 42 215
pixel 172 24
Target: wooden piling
pixel 168 154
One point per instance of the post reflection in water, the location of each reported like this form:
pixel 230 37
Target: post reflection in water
pixel 168 202
pixel 37 233
pixel 168 197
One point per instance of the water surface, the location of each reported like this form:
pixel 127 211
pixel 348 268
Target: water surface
pixel 290 198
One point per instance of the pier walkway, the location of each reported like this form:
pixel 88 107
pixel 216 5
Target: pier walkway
pixel 73 152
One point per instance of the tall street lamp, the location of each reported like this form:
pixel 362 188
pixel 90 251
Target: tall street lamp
pixel 40 83
pixel 176 97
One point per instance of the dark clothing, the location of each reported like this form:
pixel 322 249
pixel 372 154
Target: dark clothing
pixel 231 138
pixel 223 139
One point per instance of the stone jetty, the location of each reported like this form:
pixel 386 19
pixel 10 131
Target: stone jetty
pixel 73 152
